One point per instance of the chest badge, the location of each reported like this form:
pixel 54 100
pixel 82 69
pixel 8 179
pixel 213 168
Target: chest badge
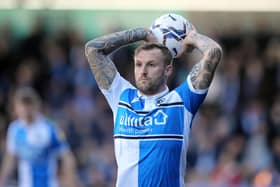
pixel 160 101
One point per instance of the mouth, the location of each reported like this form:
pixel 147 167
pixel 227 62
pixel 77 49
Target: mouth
pixel 143 78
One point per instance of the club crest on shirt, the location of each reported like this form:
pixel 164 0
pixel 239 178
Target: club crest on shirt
pixel 160 101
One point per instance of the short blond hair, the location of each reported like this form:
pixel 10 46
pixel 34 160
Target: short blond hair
pixel 167 56
pixel 27 96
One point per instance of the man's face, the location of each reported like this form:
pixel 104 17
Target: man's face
pixel 24 111
pixel 150 71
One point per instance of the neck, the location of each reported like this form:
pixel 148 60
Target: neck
pixel 152 94
pixel 29 119
pixel 162 89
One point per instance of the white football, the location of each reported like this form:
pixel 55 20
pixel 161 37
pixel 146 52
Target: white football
pixel 170 30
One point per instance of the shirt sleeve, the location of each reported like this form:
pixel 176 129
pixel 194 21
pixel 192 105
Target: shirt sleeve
pixel 10 140
pixel 113 94
pixel 191 97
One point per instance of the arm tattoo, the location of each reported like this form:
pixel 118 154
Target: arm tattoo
pixel 102 68
pixel 202 73
pixel 194 72
pixel 98 49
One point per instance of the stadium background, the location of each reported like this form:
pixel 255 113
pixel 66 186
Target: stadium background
pixel 235 139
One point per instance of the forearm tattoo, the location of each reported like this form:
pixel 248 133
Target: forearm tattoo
pixel 202 73
pixel 97 50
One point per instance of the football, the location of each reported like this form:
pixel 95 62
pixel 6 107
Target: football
pixel 170 30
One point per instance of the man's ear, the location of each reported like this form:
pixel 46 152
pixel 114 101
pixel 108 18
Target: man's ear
pixel 169 70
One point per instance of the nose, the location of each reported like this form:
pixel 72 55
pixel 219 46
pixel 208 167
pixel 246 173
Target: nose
pixel 143 70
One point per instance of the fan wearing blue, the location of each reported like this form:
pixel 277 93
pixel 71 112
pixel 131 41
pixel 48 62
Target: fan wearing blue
pixel 151 122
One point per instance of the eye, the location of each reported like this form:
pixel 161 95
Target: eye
pixel 138 65
pixel 151 64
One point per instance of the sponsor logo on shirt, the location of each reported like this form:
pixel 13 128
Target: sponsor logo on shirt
pixel 158 118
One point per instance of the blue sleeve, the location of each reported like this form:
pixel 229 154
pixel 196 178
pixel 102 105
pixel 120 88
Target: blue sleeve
pixel 11 142
pixel 191 97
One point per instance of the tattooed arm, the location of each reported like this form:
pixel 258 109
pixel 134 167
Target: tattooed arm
pixel 97 50
pixel 202 73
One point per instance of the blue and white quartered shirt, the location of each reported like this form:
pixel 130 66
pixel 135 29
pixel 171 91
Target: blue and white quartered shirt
pixel 151 133
pixel 37 147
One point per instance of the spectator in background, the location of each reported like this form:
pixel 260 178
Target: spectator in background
pixel 37 144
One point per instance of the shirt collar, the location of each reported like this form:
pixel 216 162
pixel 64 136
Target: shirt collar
pixel 34 122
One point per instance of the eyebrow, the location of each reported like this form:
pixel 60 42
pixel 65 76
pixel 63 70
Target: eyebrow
pixel 150 61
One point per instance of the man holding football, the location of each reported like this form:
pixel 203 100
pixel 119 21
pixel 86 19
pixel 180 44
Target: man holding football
pixel 151 123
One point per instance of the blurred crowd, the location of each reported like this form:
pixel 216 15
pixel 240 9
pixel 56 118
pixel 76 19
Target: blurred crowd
pixel 235 138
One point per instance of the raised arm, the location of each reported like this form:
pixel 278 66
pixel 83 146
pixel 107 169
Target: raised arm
pixel 202 73
pixel 97 50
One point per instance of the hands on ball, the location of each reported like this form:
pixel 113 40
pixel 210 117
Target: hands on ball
pixel 150 37
pixel 187 44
